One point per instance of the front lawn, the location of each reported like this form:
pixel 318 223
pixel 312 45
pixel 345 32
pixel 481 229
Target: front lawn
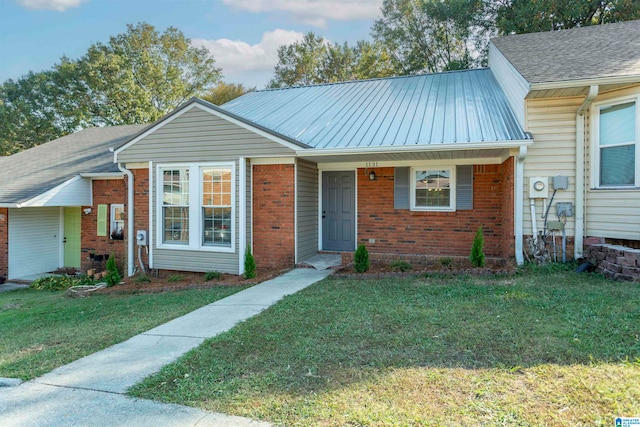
pixel 538 348
pixel 41 330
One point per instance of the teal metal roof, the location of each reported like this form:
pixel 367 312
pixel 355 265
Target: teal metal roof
pixel 447 108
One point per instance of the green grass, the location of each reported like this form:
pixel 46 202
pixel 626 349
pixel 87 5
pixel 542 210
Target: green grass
pixel 42 330
pixel 538 348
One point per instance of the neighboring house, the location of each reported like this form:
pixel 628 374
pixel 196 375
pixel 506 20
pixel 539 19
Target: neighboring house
pixel 60 202
pixel 406 165
pixel 578 93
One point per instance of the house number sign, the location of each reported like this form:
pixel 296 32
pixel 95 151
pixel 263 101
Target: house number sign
pixel 371 165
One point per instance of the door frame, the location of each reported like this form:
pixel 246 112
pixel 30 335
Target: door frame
pixel 336 168
pixel 63 237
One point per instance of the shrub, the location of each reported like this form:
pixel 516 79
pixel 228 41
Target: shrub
pixel 401 265
pixel 143 278
pixel 477 255
pixel 212 275
pixel 53 283
pixel 446 262
pixel 361 259
pixel 249 264
pixel 113 276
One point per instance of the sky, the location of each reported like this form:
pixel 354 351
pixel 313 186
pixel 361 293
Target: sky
pixel 242 35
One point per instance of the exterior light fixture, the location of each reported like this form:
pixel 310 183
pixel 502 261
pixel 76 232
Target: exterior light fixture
pixel 87 211
pixel 372 176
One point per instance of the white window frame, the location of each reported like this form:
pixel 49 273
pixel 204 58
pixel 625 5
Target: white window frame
pixel 595 142
pixel 112 216
pixel 452 189
pixel 195 207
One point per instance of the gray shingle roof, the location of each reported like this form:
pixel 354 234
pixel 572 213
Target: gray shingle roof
pixel 610 50
pixel 32 172
pixel 445 108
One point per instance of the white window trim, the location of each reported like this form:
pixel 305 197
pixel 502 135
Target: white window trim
pixel 112 215
pixel 195 207
pixel 452 192
pixel 595 142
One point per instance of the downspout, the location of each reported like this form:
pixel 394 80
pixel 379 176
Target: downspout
pixel 519 203
pixel 130 223
pixel 580 188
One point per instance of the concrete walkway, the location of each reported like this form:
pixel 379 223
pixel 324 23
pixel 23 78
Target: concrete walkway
pixel 90 391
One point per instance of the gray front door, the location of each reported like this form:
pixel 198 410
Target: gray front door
pixel 338 211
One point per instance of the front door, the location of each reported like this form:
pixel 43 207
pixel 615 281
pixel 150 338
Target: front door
pixel 72 219
pixel 338 211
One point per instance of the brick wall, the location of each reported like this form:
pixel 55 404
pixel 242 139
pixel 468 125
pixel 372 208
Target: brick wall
pixel 438 233
pixel 4 242
pixel 141 208
pixel 273 215
pixel 105 192
pixel 615 262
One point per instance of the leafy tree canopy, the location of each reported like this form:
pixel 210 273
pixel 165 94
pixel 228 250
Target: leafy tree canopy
pixel 136 77
pixel 225 92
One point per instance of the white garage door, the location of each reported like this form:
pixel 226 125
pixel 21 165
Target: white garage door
pixel 34 241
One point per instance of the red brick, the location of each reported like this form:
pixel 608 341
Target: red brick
pixel 4 242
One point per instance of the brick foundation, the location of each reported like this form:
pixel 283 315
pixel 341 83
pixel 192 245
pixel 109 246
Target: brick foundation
pixel 4 242
pixel 273 215
pixel 438 233
pixel 615 262
pixel 105 192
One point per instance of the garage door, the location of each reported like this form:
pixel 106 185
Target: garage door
pixel 34 241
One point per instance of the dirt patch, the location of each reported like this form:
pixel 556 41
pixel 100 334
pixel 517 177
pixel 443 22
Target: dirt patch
pixel 167 281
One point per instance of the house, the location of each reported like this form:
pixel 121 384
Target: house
pixel 578 93
pixel 60 202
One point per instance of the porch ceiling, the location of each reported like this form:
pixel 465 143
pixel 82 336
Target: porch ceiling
pixel 498 155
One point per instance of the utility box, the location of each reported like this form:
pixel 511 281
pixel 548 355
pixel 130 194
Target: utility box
pixel 560 182
pixel 564 209
pixel 538 187
pixel 141 238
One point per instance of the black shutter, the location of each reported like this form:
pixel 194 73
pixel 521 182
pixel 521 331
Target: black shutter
pixel 401 188
pixel 464 187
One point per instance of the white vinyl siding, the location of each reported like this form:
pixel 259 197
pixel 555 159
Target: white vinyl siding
pixel 197 135
pixel 34 241
pixel 515 86
pixel 307 210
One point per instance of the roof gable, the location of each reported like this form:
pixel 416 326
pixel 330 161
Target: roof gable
pixel 446 108
pixel 594 52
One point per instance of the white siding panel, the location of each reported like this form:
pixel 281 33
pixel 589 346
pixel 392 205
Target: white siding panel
pixel 34 241
pixel 198 136
pixel 307 221
pixel 515 87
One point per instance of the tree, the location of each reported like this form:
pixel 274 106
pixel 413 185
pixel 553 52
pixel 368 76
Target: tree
pixel 314 60
pixel 136 78
pixel 431 35
pixel 225 92
pixel 524 16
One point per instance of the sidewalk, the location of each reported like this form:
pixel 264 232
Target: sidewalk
pixel 90 391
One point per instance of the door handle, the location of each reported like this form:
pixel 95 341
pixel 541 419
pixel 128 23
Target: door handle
pixel 324 214
pixel 64 240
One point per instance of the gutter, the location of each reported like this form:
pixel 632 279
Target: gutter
pixel 635 78
pixel 519 205
pixel 130 222
pixel 580 188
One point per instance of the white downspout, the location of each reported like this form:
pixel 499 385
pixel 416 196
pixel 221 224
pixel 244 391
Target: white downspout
pixel 580 188
pixel 519 204
pixel 130 222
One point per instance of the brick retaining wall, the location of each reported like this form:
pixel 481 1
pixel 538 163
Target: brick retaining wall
pixel 615 262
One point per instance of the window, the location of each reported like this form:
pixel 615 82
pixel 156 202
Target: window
pixel 175 206
pixel 216 206
pixel 117 222
pixel 616 135
pixel 196 209
pixel 432 189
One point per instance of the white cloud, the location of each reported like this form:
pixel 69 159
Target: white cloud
pixel 314 12
pixel 57 5
pixel 251 65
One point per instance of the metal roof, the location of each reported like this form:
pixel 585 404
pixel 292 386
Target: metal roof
pixel 596 51
pixel 32 172
pixel 447 108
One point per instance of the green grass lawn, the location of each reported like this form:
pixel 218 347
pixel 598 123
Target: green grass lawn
pixel 540 348
pixel 41 330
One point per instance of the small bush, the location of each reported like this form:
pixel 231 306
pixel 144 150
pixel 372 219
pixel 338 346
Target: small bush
pixel 175 278
pixel 113 276
pixel 401 265
pixel 361 259
pixel 143 278
pixel 446 262
pixel 53 283
pixel 249 264
pixel 212 275
pixel 477 255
